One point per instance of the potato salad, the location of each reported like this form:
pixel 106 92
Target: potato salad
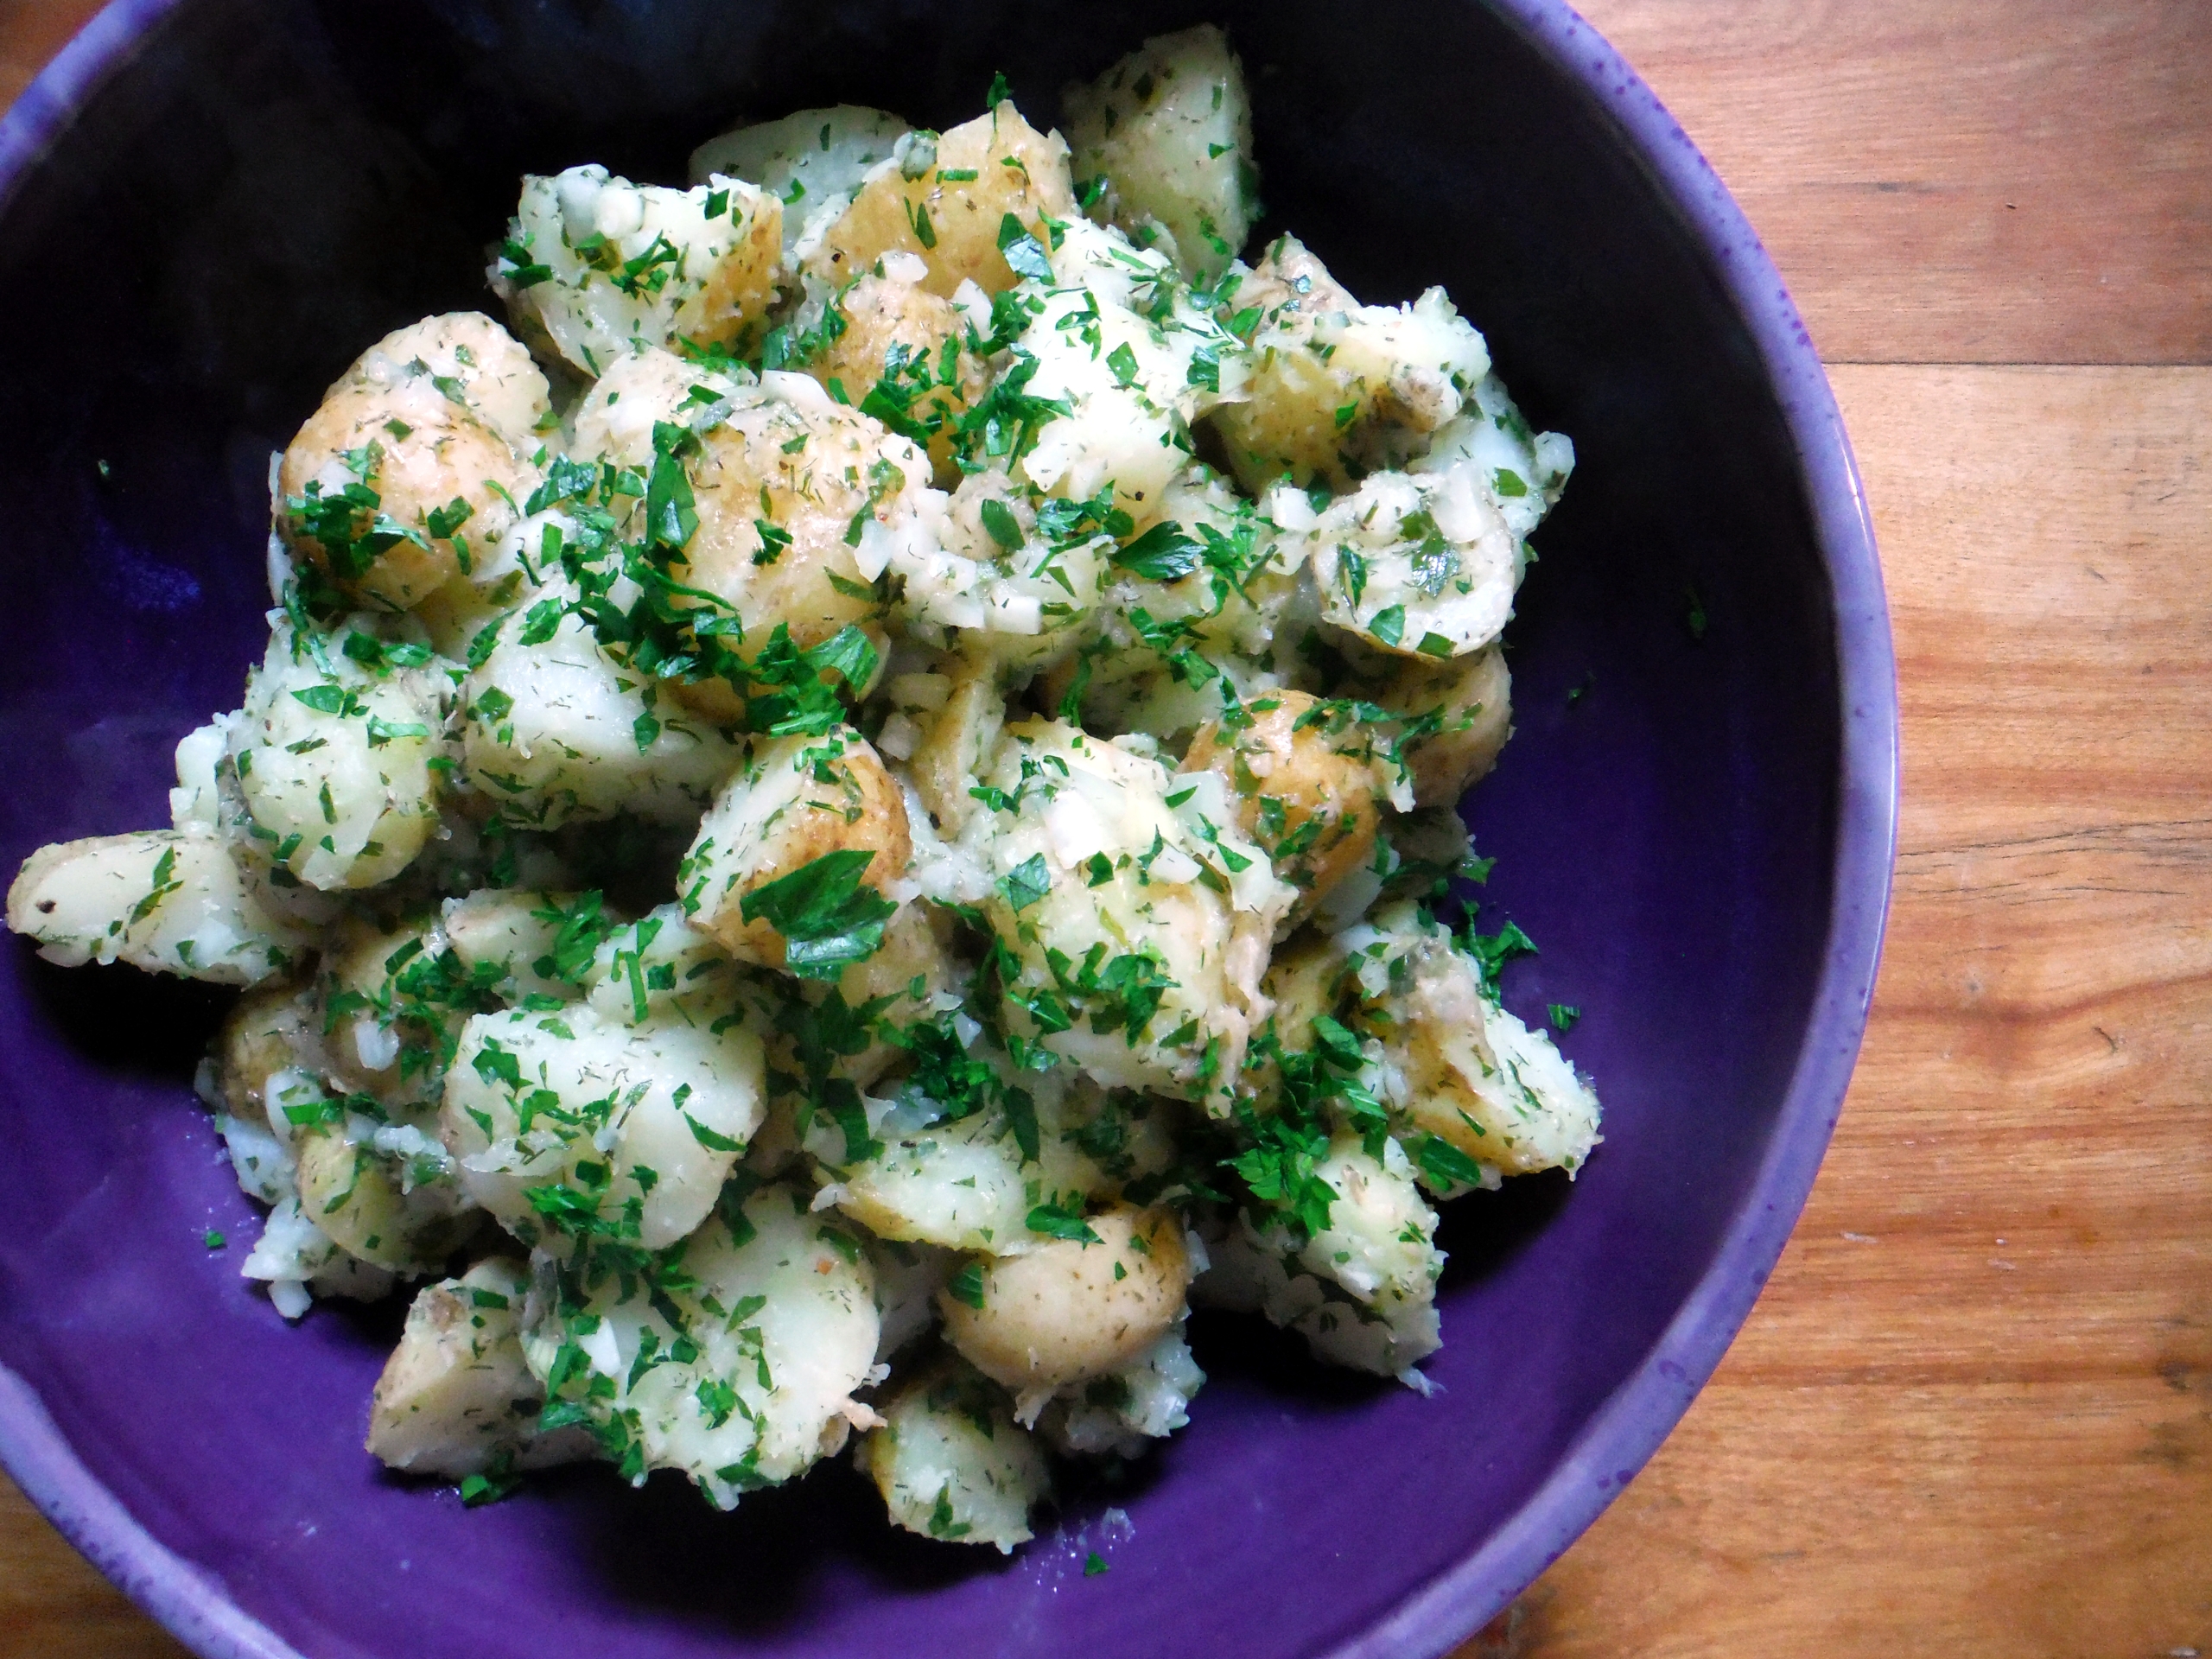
pixel 853 808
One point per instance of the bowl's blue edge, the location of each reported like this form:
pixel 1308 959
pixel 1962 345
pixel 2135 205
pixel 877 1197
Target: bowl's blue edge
pixel 1641 1413
pixel 1622 1438
pixel 50 102
pixel 194 1607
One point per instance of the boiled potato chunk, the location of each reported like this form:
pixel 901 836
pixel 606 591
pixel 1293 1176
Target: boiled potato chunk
pixel 1419 567
pixel 411 469
pixel 379 1207
pixel 962 1183
pixel 641 387
pixel 567 1122
pixel 950 1461
pixel 1361 1291
pixel 797 801
pixel 1475 1077
pixel 1339 387
pixel 945 203
pixel 1311 800
pixel 777 1329
pixel 471 361
pixel 555 731
pixel 1472 698
pixel 506 939
pixel 801 504
pixel 1073 1309
pixel 839 496
pixel 660 966
pixel 334 765
pixel 811 160
pixel 593 262
pixel 1131 385
pixel 1170 128
pixel 1139 930
pixel 456 1397
pixel 167 902
pixel 895 336
pixel 1523 470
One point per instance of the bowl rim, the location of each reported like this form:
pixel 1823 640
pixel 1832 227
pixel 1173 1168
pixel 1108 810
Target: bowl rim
pixel 195 1607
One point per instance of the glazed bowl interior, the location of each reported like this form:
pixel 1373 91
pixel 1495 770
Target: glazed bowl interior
pixel 1692 822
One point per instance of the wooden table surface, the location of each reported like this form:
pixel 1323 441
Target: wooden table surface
pixel 1972 1415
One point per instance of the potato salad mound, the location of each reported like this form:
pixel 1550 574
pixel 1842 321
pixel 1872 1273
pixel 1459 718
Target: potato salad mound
pixel 855 810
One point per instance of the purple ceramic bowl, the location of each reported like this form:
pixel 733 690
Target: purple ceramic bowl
pixel 211 205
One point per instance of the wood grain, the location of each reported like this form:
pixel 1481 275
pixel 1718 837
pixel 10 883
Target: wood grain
pixel 1954 180
pixel 31 31
pixel 1973 1414
pixel 54 1606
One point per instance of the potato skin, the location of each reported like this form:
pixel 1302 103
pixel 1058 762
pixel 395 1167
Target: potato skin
pixel 965 216
pixel 881 314
pixel 1336 382
pixel 948 1445
pixel 958 743
pixel 710 281
pixel 355 1196
pixel 160 899
pixel 1285 780
pixel 1058 1315
pixel 796 799
pixel 1476 694
pixel 1171 127
pixel 811 503
pixel 439 412
pixel 826 153
pixel 270 1029
pixel 456 1396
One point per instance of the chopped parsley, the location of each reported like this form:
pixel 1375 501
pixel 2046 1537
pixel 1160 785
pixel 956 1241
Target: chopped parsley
pixel 828 918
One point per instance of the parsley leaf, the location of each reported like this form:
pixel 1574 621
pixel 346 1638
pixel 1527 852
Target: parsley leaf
pixel 490 1487
pixel 1001 525
pixel 1164 553
pixel 1491 951
pixel 827 917
pixel 710 1139
pixel 1445 1164
pixel 1026 883
pixel 1055 1222
pixel 1025 255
